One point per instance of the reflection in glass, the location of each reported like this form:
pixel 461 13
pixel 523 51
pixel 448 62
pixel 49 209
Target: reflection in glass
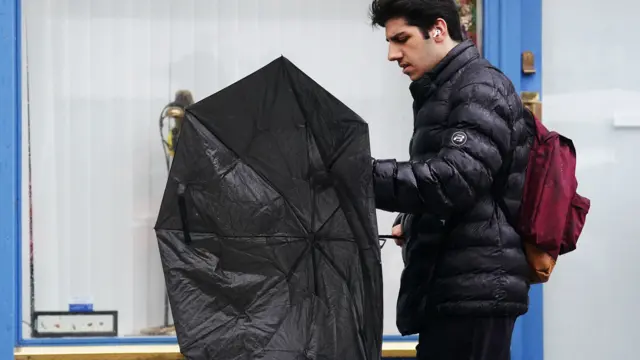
pixel 470 11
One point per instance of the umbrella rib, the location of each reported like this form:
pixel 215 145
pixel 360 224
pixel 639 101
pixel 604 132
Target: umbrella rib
pixel 333 265
pixel 317 246
pixel 335 211
pixel 295 265
pixel 296 237
pixel 309 132
pixel 342 147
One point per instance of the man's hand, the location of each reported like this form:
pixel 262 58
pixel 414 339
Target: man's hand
pixel 396 232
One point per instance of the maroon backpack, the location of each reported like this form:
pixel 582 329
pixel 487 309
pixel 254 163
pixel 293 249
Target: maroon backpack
pixel 552 214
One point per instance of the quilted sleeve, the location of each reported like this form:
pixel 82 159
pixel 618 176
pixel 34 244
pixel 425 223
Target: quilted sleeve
pixel 476 140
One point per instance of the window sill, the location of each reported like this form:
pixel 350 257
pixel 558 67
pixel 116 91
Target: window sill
pixel 154 352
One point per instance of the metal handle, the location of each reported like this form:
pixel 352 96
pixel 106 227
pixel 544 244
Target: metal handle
pixel 531 100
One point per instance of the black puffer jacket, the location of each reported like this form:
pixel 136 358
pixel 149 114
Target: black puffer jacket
pixel 463 256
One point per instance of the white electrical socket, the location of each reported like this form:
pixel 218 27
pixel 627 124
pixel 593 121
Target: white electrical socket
pixel 75 323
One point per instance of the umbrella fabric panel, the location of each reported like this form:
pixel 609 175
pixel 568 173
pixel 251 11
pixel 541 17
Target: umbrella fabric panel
pixel 222 192
pixel 240 300
pixel 283 260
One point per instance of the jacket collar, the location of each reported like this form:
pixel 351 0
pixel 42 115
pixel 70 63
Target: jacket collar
pixel 456 59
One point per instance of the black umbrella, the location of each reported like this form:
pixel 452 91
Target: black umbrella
pixel 267 229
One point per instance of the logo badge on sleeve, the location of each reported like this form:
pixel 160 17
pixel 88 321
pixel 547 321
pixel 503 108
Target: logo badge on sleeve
pixel 458 138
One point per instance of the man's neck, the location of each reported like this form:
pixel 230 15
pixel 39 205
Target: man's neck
pixel 446 67
pixel 448 45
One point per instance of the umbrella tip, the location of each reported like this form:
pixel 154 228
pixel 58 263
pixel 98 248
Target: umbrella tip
pixel 282 58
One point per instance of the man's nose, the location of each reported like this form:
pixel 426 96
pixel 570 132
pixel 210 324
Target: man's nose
pixel 394 53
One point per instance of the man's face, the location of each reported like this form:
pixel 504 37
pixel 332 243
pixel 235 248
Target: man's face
pixel 407 46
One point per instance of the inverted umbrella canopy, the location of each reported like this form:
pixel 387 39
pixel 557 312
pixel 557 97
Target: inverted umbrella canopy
pixel 267 228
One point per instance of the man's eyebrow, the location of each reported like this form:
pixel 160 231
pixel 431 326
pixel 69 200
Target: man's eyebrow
pixel 395 36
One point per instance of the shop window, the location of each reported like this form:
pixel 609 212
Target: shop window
pixel 96 77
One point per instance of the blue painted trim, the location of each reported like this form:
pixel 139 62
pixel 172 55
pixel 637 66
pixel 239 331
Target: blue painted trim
pixel 532 329
pixel 18 179
pixel 17 218
pixel 501 36
pixel 491 31
pixel 510 27
pixel 508 40
pixel 99 341
pixel 400 338
pixel 9 171
pixel 531 39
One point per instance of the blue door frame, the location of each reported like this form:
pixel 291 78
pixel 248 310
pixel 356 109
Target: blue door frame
pixel 10 162
pixel 509 27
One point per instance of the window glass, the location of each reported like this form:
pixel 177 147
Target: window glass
pixel 97 76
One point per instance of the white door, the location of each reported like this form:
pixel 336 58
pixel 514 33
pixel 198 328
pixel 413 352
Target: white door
pixel 591 92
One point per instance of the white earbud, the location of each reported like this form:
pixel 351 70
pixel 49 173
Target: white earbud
pixel 436 33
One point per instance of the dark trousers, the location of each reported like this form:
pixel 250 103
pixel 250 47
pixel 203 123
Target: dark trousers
pixel 467 338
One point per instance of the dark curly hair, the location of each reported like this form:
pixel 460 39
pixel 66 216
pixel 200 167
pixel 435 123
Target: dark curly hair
pixel 420 13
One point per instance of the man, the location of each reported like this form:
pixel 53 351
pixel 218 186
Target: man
pixel 465 278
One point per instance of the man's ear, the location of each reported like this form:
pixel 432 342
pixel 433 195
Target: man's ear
pixel 439 30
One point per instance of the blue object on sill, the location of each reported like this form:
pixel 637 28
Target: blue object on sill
pixel 80 307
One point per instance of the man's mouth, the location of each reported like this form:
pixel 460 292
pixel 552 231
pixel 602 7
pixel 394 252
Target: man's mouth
pixel 405 68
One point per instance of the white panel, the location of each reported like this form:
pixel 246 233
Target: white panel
pixel 629 119
pixel 591 94
pixel 100 73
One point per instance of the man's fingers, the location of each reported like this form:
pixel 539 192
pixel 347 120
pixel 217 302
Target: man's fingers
pixel 397 232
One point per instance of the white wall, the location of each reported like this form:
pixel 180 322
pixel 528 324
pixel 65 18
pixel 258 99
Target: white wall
pixel 99 74
pixel 591 87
